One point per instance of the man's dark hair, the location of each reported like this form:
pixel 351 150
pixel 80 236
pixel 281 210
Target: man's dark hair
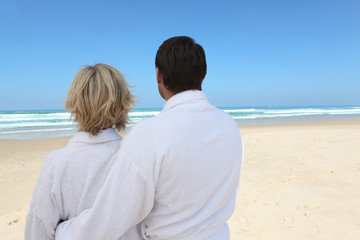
pixel 182 64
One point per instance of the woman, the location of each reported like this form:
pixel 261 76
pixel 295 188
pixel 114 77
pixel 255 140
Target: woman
pixel 70 178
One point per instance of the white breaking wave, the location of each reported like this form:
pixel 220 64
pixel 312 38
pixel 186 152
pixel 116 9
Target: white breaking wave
pixel 137 114
pixel 263 116
pixel 33 124
pixel 37 130
pixel 37 115
pixel 240 110
pixel 314 111
pixel 7 119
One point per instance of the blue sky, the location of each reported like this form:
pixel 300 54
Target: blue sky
pixel 259 53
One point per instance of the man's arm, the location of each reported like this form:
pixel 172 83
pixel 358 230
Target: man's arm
pixel 126 198
pixel 43 215
pixel 36 229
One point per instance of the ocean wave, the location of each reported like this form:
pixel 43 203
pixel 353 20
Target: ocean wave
pixel 33 124
pixel 26 115
pixel 35 119
pixel 239 110
pixel 314 111
pixel 145 114
pixel 37 130
pixel 266 116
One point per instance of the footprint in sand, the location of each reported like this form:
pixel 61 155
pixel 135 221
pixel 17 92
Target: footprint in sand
pixel 307 207
pixel 244 221
pixel 288 222
pixel 254 232
pixel 13 221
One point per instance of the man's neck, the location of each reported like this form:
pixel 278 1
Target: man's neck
pixel 168 94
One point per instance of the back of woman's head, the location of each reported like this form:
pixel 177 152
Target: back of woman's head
pixel 99 98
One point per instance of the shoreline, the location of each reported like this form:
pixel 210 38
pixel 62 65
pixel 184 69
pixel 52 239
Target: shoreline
pixel 266 123
pixel 354 121
pixel 300 119
pixel 299 181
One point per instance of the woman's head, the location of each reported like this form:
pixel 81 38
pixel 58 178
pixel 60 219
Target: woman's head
pixel 99 98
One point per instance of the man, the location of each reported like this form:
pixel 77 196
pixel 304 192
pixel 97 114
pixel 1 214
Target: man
pixel 176 175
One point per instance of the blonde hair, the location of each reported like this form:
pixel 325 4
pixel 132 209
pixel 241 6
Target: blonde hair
pixel 99 98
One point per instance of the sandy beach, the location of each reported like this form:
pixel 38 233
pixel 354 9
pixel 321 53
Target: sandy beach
pixel 299 181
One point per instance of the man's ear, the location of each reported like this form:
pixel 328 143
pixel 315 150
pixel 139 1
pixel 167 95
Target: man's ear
pixel 159 77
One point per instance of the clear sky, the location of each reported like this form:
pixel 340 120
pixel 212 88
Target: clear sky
pixel 259 53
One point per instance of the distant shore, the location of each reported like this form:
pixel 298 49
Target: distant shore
pixel 299 181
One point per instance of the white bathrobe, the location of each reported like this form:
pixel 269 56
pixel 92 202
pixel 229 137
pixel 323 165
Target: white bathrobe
pixel 69 181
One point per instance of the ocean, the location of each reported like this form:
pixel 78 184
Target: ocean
pixel 57 123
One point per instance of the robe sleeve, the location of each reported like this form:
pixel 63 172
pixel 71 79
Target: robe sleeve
pixel 44 214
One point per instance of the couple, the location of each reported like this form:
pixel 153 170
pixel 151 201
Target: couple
pixel 173 177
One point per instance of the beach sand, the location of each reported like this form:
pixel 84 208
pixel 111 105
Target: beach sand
pixel 299 181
